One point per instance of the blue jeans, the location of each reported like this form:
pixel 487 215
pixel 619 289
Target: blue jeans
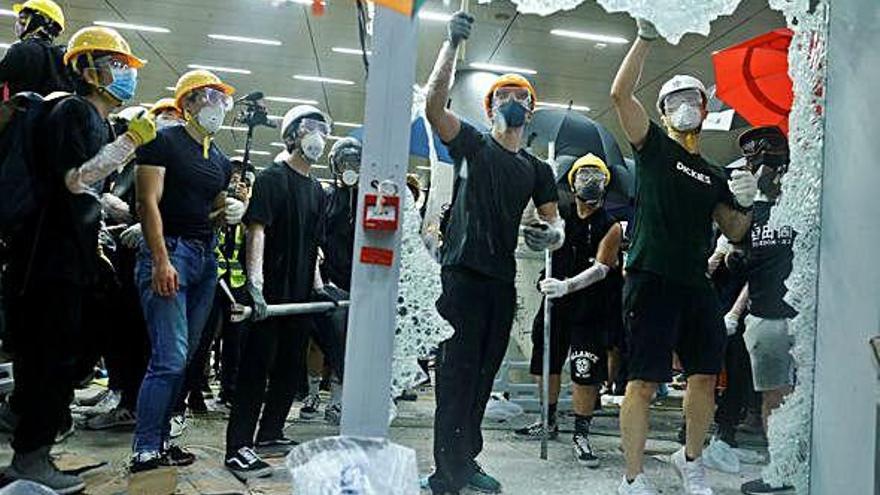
pixel 175 325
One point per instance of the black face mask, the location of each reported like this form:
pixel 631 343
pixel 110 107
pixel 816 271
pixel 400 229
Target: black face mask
pixel 769 182
pixel 514 114
pixel 774 161
pixel 593 194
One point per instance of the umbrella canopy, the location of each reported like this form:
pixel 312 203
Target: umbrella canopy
pixel 575 134
pixel 752 77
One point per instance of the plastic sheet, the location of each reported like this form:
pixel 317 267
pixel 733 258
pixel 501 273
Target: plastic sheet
pixel 721 457
pixel 353 466
pixel 23 487
pixel 500 409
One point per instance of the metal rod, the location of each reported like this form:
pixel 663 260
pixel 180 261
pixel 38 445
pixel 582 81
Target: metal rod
pixel 545 369
pixel 241 313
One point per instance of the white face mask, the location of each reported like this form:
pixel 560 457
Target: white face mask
pixel 686 118
pixel 349 177
pixel 312 146
pixel 211 117
pixel 163 122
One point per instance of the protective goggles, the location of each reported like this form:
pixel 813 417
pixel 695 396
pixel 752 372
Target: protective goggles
pixel 691 97
pixel 588 176
pixel 308 126
pixel 111 62
pixel 517 94
pixel 214 97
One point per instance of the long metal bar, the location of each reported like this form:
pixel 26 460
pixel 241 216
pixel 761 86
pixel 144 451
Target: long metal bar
pixel 241 313
pixel 366 397
pixel 545 369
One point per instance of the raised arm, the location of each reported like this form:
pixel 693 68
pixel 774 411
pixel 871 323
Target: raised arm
pixel 150 183
pixel 630 111
pixel 442 120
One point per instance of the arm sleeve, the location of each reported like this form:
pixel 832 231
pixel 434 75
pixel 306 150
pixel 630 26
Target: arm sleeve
pixel 260 206
pixel 465 145
pixel 151 153
pixel 545 185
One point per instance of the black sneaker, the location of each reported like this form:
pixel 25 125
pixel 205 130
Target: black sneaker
pixel 145 461
pixel 535 431
pixel 583 451
pixel 727 433
pixel 246 464
pixel 174 455
pixel 310 406
pixel 759 487
pixel 482 482
pixel 278 447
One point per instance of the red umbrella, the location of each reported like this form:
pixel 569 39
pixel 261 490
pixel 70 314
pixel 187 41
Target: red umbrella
pixel 752 77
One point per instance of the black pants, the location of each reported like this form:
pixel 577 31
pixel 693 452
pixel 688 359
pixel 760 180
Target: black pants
pixel 733 404
pixel 481 311
pixel 274 351
pixel 47 323
pixel 129 345
pixel 232 340
pixel 329 333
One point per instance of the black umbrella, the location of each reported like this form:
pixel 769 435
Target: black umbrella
pixel 574 134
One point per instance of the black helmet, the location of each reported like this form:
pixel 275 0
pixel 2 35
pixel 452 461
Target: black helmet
pixel 345 155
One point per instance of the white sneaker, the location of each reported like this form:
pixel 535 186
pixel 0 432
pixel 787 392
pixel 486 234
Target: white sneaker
pixel 178 425
pixel 692 474
pixel 639 486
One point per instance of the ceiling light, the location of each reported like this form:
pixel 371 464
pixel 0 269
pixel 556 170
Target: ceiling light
pixel 219 69
pixel 8 13
pixel 502 68
pixel 427 15
pixel 321 79
pixel 334 138
pixel 133 27
pixel 278 144
pixel 320 166
pixel 422 167
pixel 231 128
pixel 350 51
pixel 5 45
pixel 244 39
pixel 274 117
pixel 170 88
pixel 255 152
pixel 303 2
pixel 284 99
pixel 347 124
pixel 145 104
pixel 589 36
pixel 564 106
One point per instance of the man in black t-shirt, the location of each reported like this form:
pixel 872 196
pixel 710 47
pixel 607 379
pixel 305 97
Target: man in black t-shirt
pixel 768 263
pixel 55 258
pixel 668 301
pixel 582 292
pixel 494 181
pixel 181 181
pixel 35 63
pixel 284 229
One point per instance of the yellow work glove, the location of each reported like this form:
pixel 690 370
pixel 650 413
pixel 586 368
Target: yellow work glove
pixel 142 129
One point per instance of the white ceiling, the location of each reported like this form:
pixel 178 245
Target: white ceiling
pixel 568 69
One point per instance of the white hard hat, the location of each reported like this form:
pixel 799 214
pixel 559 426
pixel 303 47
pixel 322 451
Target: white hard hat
pixel 680 83
pixel 297 113
pixel 129 113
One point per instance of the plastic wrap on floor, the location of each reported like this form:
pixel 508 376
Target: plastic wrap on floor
pixel 23 487
pixel 344 465
pixel 789 429
pixel 419 328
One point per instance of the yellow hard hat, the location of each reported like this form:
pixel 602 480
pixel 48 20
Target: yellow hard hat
pixel 48 8
pixel 588 160
pixel 164 104
pixel 100 39
pixel 196 79
pixel 510 80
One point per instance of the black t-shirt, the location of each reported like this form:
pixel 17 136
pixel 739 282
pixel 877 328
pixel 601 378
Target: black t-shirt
pixel 769 265
pixel 339 227
pixel 582 239
pixel 192 182
pixel 292 207
pixel 492 188
pixel 34 64
pixel 68 226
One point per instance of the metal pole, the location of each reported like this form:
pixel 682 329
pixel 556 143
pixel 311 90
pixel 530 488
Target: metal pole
pixel 545 369
pixel 241 313
pixel 366 396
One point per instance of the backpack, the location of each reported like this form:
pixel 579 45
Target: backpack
pixel 21 190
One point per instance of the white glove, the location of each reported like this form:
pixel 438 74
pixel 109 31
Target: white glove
pixel 234 211
pixel 554 288
pixel 131 236
pixel 116 208
pixel 744 186
pixel 647 31
pixel 731 323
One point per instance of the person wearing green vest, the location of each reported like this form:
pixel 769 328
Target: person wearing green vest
pixel 669 304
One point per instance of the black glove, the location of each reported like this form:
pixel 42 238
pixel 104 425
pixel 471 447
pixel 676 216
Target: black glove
pixel 322 295
pixel 259 306
pixel 459 28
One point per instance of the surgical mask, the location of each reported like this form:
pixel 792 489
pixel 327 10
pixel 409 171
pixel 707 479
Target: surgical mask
pixel 312 146
pixel 510 114
pixel 350 177
pixel 124 83
pixel 686 118
pixel 211 117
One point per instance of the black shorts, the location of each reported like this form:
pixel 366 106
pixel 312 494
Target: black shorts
pixel 662 316
pixel 586 340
